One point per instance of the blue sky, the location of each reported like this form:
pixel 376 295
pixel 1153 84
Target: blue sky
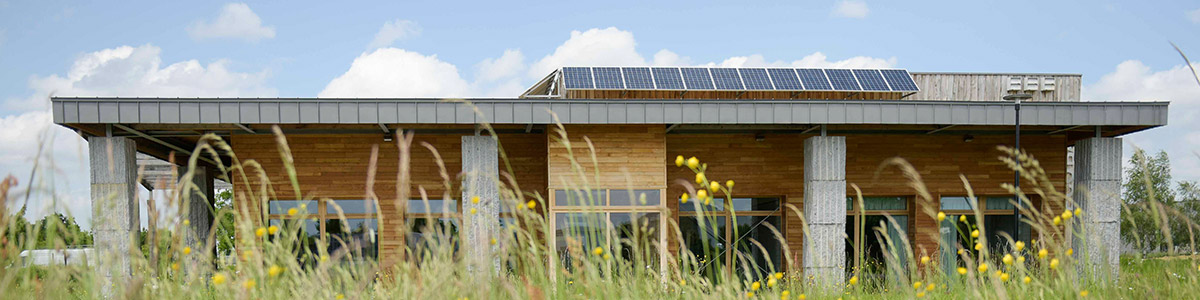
pixel 489 48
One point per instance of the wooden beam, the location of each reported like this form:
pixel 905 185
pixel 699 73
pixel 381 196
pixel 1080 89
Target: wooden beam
pixel 672 127
pixel 1064 129
pixel 940 129
pixel 244 127
pixel 161 142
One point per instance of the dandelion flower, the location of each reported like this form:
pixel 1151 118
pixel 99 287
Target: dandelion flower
pixel 681 281
pixel 962 218
pixel 854 280
pixel 1054 263
pixel 1008 259
pixel 607 256
pixel 260 232
pixel 598 251
pixel 771 282
pixel 784 295
pixel 292 211
pixel 273 229
pixel 1070 251
pixel 324 258
pixel 755 286
pixel 248 284
pixel 1057 220
pixel 714 186
pixel 186 222
pixel 246 255
pixel 975 233
pixel 1004 277
pixel 340 296
pixel 218 279
pixel 1066 215
pixel 1078 211
pixel 917 285
pixel 749 294
pixel 960 251
pixel 802 297
pixel 274 271
pixel 702 194
pixel 924 259
pixel 1019 245
pixel 921 295
pixel 187 250
pixel 473 210
pixel 679 161
pixel 779 275
pixel 474 199
pixel 531 204
pixel 700 178
pixel 493 241
pixel 693 162
pixel 978 246
pixel 941 216
pixel 1027 279
pixel 683 198
pixel 175 266
pixel 1083 293
pixel 930 287
pixel 983 267
pixel 729 183
pixel 1042 253
pixel 1020 259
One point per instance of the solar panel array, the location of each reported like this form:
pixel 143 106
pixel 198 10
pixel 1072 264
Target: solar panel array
pixel 737 79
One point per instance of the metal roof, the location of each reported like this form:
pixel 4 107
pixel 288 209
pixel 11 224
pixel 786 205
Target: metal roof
pixel 609 111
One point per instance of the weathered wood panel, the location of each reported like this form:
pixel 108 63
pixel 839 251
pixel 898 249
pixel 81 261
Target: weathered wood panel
pixel 634 150
pixel 990 87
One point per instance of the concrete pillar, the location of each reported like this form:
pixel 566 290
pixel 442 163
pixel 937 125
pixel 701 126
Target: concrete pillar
pixel 196 208
pixel 1098 193
pixel 480 174
pixel 825 209
pixel 115 217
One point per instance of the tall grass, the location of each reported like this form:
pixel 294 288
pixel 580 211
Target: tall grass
pixel 281 263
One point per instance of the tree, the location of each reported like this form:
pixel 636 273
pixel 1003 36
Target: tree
pixel 1146 190
pixel 225 219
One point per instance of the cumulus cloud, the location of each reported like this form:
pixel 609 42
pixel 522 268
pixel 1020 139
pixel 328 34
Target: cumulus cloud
pixel 236 21
pixel 122 71
pixel 510 64
pixel 138 71
pixel 393 31
pixel 1194 15
pixel 391 72
pixel 1133 80
pixel 851 9
pixel 594 47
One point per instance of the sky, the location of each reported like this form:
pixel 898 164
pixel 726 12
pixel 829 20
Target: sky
pixel 495 48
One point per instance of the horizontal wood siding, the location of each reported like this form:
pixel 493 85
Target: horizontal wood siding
pixel 625 154
pixel 989 87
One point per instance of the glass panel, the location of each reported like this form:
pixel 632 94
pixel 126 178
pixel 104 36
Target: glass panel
pixel 428 236
pixel 956 203
pixel 993 226
pixel 999 203
pixel 307 235
pixel 578 197
pixel 624 198
pixel 280 207
pixel 697 237
pixel 580 231
pixel 349 207
pixel 879 203
pixel 717 204
pixel 354 235
pixel 755 204
pixel 433 206
pixel 762 263
pixel 638 234
pixel 873 242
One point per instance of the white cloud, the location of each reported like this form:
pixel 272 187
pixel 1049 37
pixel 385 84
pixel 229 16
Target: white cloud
pixel 851 9
pixel 137 71
pixel 393 31
pixel 236 21
pixel 665 57
pixel 391 72
pixel 815 60
pixel 1133 80
pixel 510 64
pixel 126 71
pixel 594 47
pixel 1194 15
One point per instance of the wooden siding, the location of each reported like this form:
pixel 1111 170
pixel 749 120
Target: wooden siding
pixel 774 167
pixel 335 166
pixel 634 150
pixel 990 87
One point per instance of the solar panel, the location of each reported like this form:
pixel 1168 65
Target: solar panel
pixel 757 79
pixel 667 78
pixel 638 78
pixel 814 79
pixel 697 78
pixel 727 79
pixel 577 77
pixel 871 80
pixel 785 79
pixel 608 78
pixel 899 80
pixel 842 80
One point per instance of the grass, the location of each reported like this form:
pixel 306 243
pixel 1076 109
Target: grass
pixel 278 264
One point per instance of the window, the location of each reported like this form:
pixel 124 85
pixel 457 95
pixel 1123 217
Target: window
pixel 998 220
pixel 621 221
pixel 710 230
pixel 865 249
pixel 432 222
pixel 344 227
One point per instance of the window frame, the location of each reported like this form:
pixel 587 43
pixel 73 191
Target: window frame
pixel 607 211
pixel 854 211
pixel 730 221
pixel 323 215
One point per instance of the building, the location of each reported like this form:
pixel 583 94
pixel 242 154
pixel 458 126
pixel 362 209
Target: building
pixel 803 137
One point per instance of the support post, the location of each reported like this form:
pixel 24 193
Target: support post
pixel 115 217
pixel 481 221
pixel 825 209
pixel 1097 193
pixel 197 208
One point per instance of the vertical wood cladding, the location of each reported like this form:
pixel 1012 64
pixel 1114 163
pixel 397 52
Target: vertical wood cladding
pixel 636 150
pixel 775 167
pixel 335 166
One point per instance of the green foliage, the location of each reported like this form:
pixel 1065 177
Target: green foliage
pixel 226 223
pixel 1156 217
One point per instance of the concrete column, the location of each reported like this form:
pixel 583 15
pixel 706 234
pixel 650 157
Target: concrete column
pixel 1098 193
pixel 825 209
pixel 197 208
pixel 480 174
pixel 115 217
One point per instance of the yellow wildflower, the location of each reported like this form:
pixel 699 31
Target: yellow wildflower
pixel 274 271
pixel 681 281
pixel 340 296
pixel 924 259
pixel 779 275
pixel 324 258
pixel 1027 279
pixel 700 178
pixel 854 280
pixel 917 285
pixel 702 194
pixel 474 199
pixel 729 183
pixel 1019 245
pixel 598 251
pixel 1083 293
pixel 186 222
pixel 941 216
pixel 1008 259
pixel 1054 263
pixel 930 287
pixel 218 279
pixel 273 229
pixel 1078 211
pixel 473 210
pixel 1070 251
pixel 921 295
pixel 1003 276
pixel 693 162
pixel 187 250
pixel 679 161
pixel 292 211
pixel 683 198
pixel 962 218
pixel 983 267
pixel 175 266
pixel 1057 220
pixel 978 246
pixel 749 294
pixel 975 233
pixel 771 282
pixel 531 204
pixel 714 186
pixel 1066 215
pixel 755 286
pixel 784 295
pixel 802 297
pixel 1042 253
pixel 961 252
pixel 248 284
pixel 607 256
pixel 1021 259
pixel 247 254
pixel 260 232
pixel 493 241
